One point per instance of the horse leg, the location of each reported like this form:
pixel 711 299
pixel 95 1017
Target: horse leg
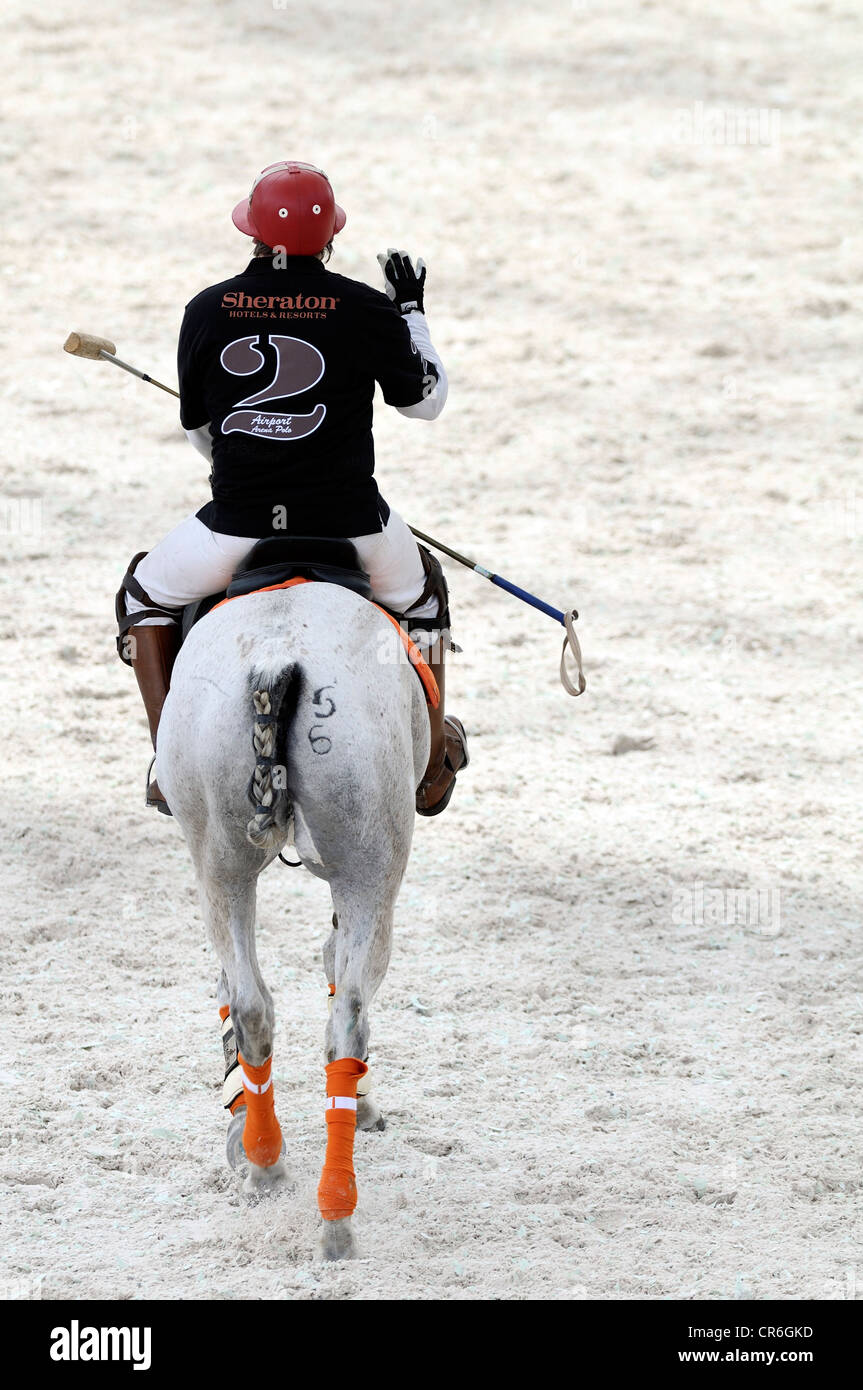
pixel 360 955
pixel 369 1115
pixel 233 1092
pixel 228 905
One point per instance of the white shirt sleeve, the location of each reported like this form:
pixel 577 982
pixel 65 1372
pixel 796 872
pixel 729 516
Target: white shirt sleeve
pixel 202 440
pixel 430 407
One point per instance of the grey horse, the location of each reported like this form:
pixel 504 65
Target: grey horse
pixel 296 716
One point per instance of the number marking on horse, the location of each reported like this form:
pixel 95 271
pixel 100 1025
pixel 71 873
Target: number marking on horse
pixel 322 743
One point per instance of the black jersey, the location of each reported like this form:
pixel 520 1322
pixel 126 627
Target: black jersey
pixel 282 365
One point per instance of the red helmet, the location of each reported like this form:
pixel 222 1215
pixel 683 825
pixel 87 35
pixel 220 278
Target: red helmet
pixel 291 205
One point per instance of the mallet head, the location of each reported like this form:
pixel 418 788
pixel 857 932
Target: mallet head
pixel 85 345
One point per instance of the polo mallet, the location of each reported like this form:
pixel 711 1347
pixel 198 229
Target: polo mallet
pixel 85 345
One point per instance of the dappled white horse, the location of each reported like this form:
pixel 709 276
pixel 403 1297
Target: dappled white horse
pixel 304 701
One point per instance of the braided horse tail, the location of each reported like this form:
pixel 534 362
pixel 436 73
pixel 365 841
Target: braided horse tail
pixel 273 705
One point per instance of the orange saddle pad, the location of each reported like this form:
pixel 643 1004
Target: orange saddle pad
pixel 415 656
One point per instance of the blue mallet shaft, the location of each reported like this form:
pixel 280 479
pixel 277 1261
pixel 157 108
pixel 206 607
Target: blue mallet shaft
pixel 497 579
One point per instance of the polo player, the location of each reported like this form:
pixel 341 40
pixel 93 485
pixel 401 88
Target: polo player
pixel 277 371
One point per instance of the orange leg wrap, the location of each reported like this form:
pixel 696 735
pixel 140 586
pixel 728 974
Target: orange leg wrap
pixel 337 1190
pixel 262 1137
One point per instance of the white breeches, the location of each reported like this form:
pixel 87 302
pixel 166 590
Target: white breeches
pixel 193 561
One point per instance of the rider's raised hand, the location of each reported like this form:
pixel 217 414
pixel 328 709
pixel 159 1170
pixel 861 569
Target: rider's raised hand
pixel 402 282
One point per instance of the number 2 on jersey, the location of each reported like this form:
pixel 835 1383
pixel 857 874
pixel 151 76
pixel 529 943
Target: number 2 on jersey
pixel 299 367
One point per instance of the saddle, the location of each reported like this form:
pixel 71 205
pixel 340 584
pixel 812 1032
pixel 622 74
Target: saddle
pixel 277 559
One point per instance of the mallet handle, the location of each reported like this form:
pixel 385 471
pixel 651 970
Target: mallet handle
pixel 497 579
pixel 142 376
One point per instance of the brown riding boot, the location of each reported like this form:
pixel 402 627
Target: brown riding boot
pixel 448 754
pixel 153 651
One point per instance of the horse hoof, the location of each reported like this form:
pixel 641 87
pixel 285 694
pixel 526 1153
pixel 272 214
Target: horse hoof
pixel 337 1240
pixel 234 1151
pixel 263 1182
pixel 369 1115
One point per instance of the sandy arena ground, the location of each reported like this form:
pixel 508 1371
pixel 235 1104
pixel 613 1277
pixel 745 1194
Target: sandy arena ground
pixel 649 305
